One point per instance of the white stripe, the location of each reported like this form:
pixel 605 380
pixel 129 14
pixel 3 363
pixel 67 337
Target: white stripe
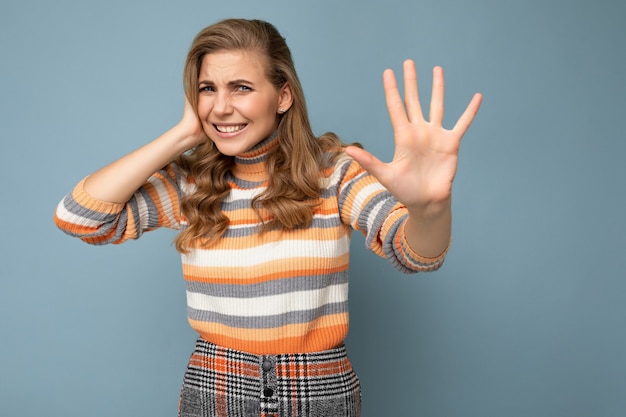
pixel 373 214
pixel 164 199
pixel 283 249
pixel 245 194
pixel 269 305
pixel 68 216
pixel 360 198
pixel 185 187
pixel 325 216
pixel 233 227
pixel 142 211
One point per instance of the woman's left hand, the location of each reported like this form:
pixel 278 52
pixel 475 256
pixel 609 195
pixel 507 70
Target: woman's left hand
pixel 425 158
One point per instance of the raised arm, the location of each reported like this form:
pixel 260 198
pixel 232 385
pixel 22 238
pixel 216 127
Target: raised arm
pixel 117 181
pixel 425 159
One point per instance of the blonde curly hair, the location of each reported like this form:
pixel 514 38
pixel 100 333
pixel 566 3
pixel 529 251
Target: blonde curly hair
pixel 296 164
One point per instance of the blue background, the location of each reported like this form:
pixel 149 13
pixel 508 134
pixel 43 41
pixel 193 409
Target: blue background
pixel 527 316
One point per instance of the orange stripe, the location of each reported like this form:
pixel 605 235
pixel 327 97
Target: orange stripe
pixel 247 215
pixel 280 268
pixel 243 216
pixel 153 192
pixel 236 187
pixel 321 235
pixel 85 200
pixel 73 227
pixel 263 335
pixel 324 333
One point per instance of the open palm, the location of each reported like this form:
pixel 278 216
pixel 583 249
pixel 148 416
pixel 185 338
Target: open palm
pixel 425 158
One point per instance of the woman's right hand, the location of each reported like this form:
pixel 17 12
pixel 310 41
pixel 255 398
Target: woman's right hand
pixel 118 181
pixel 190 127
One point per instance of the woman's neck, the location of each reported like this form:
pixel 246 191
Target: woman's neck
pixel 250 165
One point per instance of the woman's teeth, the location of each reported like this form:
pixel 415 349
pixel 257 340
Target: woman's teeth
pixel 229 129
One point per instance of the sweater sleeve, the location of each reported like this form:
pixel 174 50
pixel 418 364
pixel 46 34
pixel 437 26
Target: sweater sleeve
pixel 155 204
pixel 368 207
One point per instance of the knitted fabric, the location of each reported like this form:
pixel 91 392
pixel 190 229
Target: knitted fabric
pixel 265 293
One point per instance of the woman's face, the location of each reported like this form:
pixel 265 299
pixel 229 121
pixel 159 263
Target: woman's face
pixel 237 104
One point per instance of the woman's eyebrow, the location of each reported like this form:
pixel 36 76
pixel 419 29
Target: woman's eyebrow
pixel 230 83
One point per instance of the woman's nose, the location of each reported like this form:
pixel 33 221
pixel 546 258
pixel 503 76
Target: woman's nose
pixel 222 104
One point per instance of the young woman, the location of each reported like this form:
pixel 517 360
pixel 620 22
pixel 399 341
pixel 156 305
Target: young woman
pixel 265 210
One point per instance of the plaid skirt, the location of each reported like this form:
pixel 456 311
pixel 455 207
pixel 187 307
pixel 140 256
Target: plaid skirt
pixel 221 382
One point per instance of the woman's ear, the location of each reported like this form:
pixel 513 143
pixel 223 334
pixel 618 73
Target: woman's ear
pixel 285 98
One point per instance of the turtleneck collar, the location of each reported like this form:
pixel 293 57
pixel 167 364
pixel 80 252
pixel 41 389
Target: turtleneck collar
pixel 250 165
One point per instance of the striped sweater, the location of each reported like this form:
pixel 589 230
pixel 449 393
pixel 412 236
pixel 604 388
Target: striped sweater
pixel 270 293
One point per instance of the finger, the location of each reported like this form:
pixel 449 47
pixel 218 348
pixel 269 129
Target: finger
pixel 397 114
pixel 411 93
pixel 436 99
pixel 368 161
pixel 468 115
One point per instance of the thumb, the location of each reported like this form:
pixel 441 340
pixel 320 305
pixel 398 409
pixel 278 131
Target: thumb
pixel 368 161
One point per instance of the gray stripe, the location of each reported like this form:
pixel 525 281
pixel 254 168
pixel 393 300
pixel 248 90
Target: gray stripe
pixel 267 288
pixel 108 221
pixel 392 253
pixel 153 210
pixel 153 213
pixel 120 226
pixel 434 264
pixel 395 255
pixel 246 185
pixel 316 223
pixel 245 203
pixel 268 322
pixel 379 216
pixel 118 221
pixel 329 192
pixel 345 192
pixel 240 204
pixel 256 159
pixel 72 206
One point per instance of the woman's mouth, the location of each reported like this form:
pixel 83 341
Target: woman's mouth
pixel 229 128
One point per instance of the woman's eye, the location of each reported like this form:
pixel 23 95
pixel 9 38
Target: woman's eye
pixel 243 88
pixel 206 88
